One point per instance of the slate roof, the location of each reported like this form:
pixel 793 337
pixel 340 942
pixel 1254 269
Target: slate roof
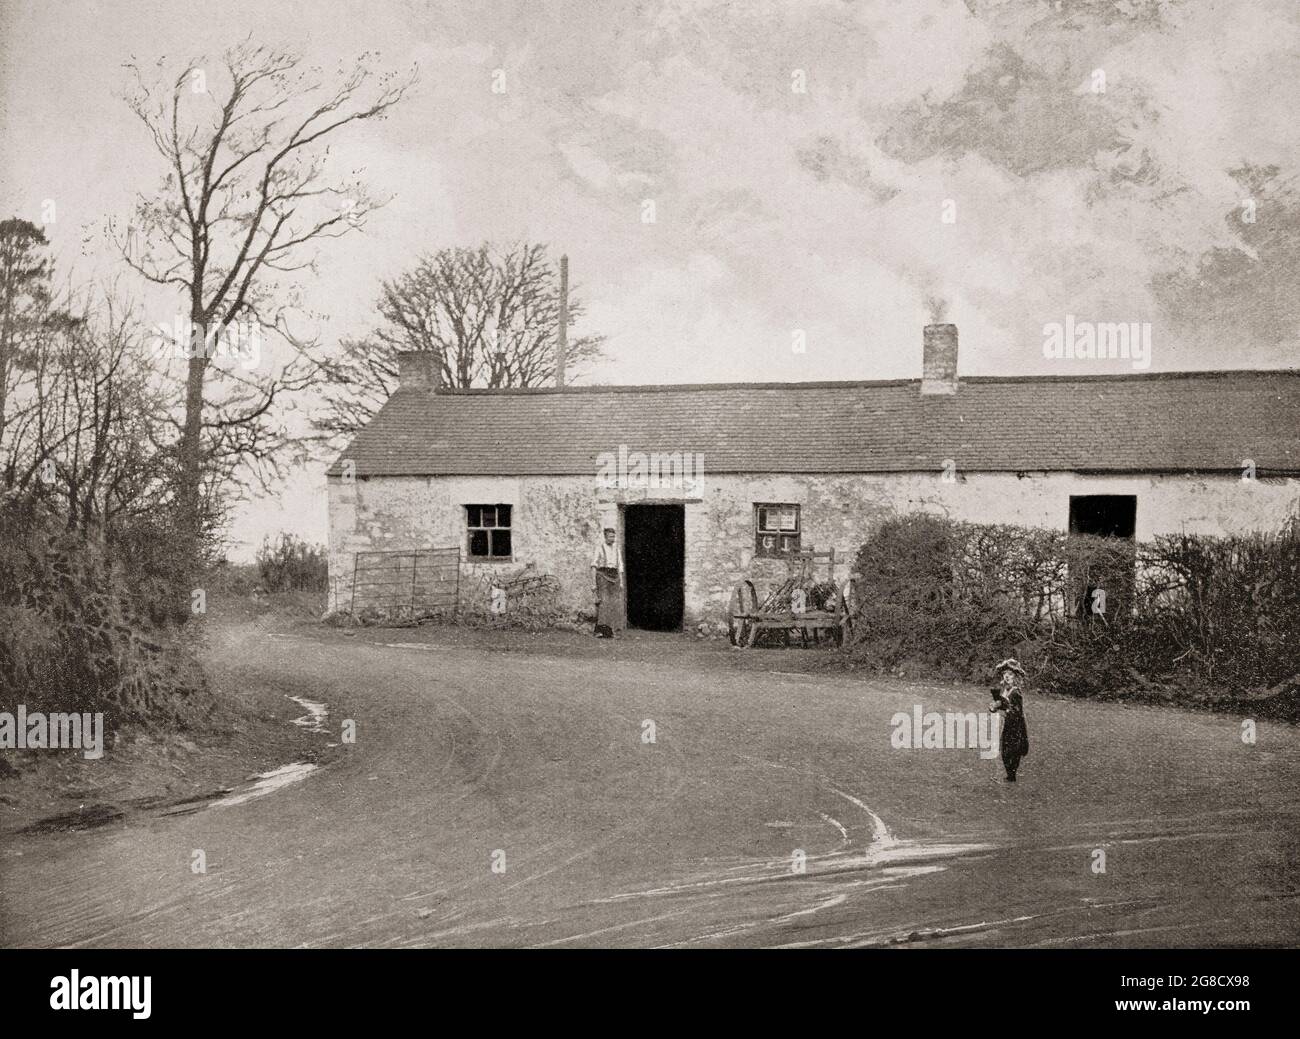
pixel 1165 422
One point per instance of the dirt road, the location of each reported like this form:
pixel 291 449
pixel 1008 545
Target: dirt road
pixel 497 798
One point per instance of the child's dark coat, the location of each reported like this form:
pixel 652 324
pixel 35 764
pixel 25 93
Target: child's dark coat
pixel 1015 734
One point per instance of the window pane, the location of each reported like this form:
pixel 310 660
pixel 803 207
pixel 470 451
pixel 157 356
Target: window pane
pixel 764 519
pixel 503 515
pixel 489 516
pixel 789 519
pixel 478 542
pixel 472 516
pixel 501 543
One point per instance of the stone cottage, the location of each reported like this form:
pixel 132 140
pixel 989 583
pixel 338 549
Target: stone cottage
pixel 707 484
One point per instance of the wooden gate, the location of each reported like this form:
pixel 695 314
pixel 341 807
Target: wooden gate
pixel 407 584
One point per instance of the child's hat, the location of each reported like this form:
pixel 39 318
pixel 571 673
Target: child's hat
pixel 1010 664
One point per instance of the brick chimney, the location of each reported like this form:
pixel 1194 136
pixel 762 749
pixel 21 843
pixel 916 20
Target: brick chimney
pixel 418 370
pixel 939 359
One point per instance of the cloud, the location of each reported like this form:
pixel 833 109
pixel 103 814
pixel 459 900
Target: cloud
pixel 777 209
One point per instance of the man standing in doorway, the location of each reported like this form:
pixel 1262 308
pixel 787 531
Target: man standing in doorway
pixel 607 582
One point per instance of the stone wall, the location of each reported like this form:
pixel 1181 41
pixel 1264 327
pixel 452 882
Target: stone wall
pixel 557 519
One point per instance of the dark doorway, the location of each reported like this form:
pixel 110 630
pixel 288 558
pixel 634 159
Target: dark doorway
pixel 654 550
pixel 1103 515
pixel 1103 582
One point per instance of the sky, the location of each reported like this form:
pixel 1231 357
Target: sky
pixel 837 171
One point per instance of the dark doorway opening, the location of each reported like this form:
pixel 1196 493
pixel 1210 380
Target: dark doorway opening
pixel 1103 583
pixel 1103 515
pixel 654 551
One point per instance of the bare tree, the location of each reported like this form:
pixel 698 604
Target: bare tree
pixel 244 202
pixel 24 300
pixel 90 424
pixel 490 316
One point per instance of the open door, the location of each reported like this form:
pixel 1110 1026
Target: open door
pixel 654 551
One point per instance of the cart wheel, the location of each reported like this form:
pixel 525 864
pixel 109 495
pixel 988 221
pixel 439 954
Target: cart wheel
pixel 744 600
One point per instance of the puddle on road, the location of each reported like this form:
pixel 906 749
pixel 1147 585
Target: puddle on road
pixel 267 783
pixel 313 720
pixel 92 816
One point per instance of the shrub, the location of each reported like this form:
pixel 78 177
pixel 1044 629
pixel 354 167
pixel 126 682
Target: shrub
pixel 292 565
pixel 1209 616
pixel 79 631
pixel 235 578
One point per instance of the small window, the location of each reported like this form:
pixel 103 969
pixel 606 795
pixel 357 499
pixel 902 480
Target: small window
pixel 776 529
pixel 489 531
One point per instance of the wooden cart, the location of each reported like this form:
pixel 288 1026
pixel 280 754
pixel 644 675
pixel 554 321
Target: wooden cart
pixel 799 604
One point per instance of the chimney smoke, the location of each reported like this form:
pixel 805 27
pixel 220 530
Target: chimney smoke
pixel 936 308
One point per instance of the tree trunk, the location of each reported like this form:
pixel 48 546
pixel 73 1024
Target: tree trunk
pixel 189 495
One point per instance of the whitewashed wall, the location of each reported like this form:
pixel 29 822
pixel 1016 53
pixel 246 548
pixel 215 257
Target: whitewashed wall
pixel 557 519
